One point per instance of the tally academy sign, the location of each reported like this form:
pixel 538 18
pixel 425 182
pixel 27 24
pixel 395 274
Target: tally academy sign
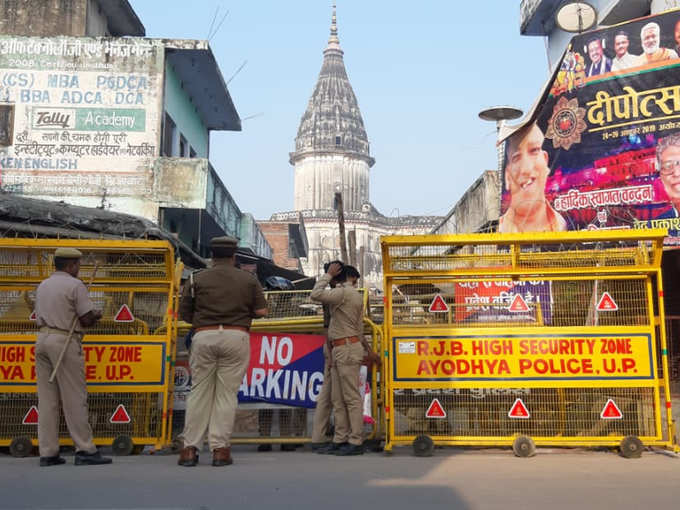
pixel 85 115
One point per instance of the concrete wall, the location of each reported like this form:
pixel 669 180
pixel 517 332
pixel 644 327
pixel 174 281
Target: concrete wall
pixel 184 114
pixel 43 18
pixel 96 24
pixel 318 176
pixel 477 208
pixel 181 182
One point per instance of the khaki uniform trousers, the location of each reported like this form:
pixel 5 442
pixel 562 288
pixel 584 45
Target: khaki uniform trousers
pixel 322 413
pixel 218 360
pixel 69 385
pixel 347 404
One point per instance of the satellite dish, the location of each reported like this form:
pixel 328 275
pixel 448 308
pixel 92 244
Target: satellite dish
pixel 576 16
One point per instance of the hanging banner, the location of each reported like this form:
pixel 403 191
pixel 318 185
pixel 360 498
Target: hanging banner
pixel 602 149
pixel 491 301
pixel 284 369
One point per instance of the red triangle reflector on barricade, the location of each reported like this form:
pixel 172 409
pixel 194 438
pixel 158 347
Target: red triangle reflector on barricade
pixel 120 415
pixel 518 304
pixel 31 417
pixel 33 316
pixel 438 304
pixel 607 303
pixel 124 315
pixel 611 411
pixel 519 410
pixel 435 410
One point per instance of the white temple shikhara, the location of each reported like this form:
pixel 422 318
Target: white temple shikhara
pixel 332 153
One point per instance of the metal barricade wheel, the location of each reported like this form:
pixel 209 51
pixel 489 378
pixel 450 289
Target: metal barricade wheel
pixel 21 446
pixel 423 446
pixel 631 447
pixel 524 446
pixel 122 445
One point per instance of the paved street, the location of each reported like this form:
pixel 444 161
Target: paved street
pixel 452 479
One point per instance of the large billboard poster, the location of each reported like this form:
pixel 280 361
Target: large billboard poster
pixel 80 117
pixel 602 149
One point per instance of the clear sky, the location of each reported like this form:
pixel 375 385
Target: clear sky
pixel 421 72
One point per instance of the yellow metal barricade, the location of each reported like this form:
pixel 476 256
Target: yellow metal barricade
pixel 525 340
pixel 290 313
pixel 128 353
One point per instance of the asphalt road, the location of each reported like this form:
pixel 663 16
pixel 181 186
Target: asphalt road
pixel 452 479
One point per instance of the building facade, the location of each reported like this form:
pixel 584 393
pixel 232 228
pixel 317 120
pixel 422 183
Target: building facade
pixel 332 154
pixel 96 115
pixel 477 210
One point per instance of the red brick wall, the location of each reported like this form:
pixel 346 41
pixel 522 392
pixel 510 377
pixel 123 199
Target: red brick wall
pixel 276 234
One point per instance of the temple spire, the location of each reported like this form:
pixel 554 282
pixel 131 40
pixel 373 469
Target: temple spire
pixel 333 40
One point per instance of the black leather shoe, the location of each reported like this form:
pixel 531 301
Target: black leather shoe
pixel 350 449
pixel 317 446
pixel 91 459
pixel 52 461
pixel 264 448
pixel 331 449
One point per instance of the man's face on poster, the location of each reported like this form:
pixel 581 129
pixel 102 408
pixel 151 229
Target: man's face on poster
pixel 650 40
pixel 527 169
pixel 677 33
pixel 621 45
pixel 595 51
pixel 670 172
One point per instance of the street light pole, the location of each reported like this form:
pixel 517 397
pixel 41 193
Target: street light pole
pixel 499 114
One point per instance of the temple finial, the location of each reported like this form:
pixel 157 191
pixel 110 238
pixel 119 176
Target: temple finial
pixel 333 39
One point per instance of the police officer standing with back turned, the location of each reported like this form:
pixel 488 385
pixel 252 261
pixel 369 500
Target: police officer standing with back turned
pixel 220 303
pixel 349 350
pixel 322 413
pixel 60 300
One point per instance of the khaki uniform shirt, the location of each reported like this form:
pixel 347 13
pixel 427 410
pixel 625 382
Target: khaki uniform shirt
pixel 59 299
pixel 223 294
pixel 346 308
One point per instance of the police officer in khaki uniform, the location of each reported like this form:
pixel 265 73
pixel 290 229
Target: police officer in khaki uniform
pixel 322 412
pixel 220 303
pixel 61 300
pixel 349 351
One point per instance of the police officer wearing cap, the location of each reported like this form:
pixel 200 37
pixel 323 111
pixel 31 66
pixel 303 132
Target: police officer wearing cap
pixel 60 300
pixel 322 412
pixel 349 351
pixel 220 303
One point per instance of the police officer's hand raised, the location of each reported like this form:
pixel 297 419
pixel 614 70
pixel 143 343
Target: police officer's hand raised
pixel 334 269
